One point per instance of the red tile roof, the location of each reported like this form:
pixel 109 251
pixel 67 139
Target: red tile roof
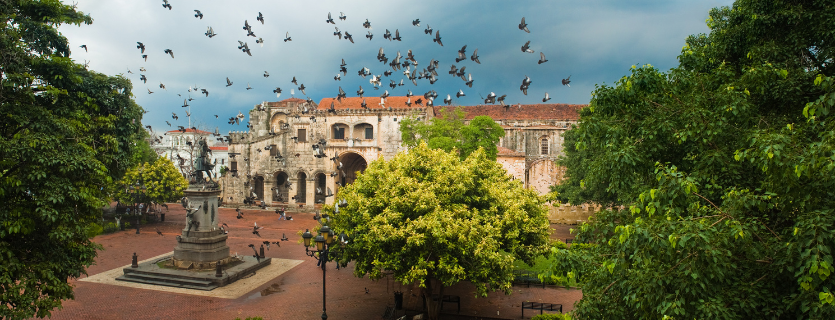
pixel 285 101
pixel 372 101
pixel 559 111
pixel 507 152
pixel 190 130
pixel 221 148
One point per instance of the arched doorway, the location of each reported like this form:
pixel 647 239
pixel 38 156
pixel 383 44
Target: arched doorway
pixel 352 165
pixel 259 187
pixel 281 192
pixel 321 188
pixel 301 188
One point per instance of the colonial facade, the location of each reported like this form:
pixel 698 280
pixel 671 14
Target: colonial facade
pixel 291 153
pixel 177 146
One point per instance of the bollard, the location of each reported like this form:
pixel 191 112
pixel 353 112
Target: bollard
pixel 262 252
pixel 134 263
pixel 161 217
pixel 218 270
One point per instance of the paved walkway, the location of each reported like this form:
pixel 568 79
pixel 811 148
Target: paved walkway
pixel 293 294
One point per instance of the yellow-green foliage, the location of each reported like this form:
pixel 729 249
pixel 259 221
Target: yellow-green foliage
pixel 426 214
pixel 163 182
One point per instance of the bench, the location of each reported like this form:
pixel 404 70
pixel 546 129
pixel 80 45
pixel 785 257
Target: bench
pixel 542 307
pixel 527 277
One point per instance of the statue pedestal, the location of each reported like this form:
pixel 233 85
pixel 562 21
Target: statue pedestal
pixel 203 242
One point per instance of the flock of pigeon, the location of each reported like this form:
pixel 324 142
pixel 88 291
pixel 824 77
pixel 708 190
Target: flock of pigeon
pixel 407 64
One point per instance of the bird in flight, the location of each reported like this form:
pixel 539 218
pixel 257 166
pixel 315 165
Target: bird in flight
pixel 206 92
pixel 149 91
pixel 143 78
pixel 165 4
pixel 527 47
pixel 260 41
pixel 288 37
pixel 84 46
pixel 140 46
pixel 428 30
pixel 541 58
pixel 546 97
pixel 566 81
pixel 474 57
pixel 416 22
pixel 524 26
pixel 349 37
pixel 210 32
pixel 228 83
pixel 260 18
pixel 342 16
pixel 198 14
pixel 277 92
pixel 330 20
pixel 266 74
pixel 145 56
pixel 438 38
pixel 248 87
pixel 366 24
pixel 462 54
pixel 170 52
pixel 396 35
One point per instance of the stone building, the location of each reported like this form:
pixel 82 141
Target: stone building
pixel 290 154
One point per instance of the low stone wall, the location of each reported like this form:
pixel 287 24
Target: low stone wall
pixel 568 214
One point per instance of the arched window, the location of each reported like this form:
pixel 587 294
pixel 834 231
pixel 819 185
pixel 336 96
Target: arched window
pixel 543 146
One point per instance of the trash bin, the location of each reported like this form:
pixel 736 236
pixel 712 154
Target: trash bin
pixel 398 300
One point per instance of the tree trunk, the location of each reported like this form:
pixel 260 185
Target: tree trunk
pixel 433 308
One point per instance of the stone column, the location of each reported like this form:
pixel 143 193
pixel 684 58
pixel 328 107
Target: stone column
pixel 330 183
pixel 269 184
pixel 310 192
pixel 203 242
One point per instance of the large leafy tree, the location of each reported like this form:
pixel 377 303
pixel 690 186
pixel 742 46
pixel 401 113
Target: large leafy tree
pixel 66 133
pixel 435 220
pixel 722 169
pixel 450 132
pixel 163 182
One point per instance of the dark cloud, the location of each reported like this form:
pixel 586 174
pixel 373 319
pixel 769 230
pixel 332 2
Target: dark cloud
pixel 595 42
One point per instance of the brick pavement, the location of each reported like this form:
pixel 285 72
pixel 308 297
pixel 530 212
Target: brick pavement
pixel 297 294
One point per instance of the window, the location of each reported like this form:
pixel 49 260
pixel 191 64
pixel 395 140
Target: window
pixel 543 145
pixel 302 135
pixel 233 165
pixel 273 150
pixel 369 133
pixel 338 133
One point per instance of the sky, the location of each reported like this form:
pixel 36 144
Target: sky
pixel 595 42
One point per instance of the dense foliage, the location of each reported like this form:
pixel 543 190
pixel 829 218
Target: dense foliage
pixel 66 133
pixel 163 183
pixel 435 220
pixel 450 132
pixel 720 173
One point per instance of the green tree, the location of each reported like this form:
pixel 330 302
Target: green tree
pixel 449 132
pixel 163 182
pixel 435 220
pixel 66 133
pixel 723 170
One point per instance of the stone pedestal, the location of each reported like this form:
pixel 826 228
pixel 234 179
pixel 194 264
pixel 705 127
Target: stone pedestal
pixel 203 242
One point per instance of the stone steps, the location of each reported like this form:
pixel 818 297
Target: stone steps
pixel 168 280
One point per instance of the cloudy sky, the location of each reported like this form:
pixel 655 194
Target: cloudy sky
pixel 593 41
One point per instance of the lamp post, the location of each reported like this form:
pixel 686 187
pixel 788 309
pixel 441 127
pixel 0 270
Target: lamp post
pixel 324 241
pixel 136 190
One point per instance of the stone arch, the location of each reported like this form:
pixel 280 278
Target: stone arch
pixel 281 191
pixel 359 131
pixel 339 130
pixel 352 164
pixel 301 187
pixel 276 122
pixel 320 185
pixel 542 174
pixel 259 186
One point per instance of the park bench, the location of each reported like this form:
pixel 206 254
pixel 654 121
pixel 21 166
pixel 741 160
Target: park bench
pixel 526 278
pixel 542 307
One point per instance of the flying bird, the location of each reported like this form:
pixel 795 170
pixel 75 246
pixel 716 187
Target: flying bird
pixel 546 97
pixel 288 37
pixel 140 46
pixel 387 35
pixel 438 38
pixel 260 18
pixel 165 4
pixel 145 56
pixel 396 35
pixel 266 74
pixel 369 35
pixel 527 47
pixel 149 91
pixel 474 57
pixel 349 37
pixel 462 54
pixel 541 58
pixel 460 93
pixel 204 91
pixel 170 52
pixel 294 81
pixel 228 83
pixel 366 24
pixel 416 22
pixel 337 32
pixel 84 46
pixel 143 78
pixel 330 20
pixel 566 81
pixel 342 16
pixel 248 87
pixel 198 14
pixel 428 30
pixel 277 92
pixel 259 41
pixel 524 26
pixel 210 32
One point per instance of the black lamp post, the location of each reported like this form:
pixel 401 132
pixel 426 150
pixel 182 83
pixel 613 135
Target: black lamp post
pixel 136 191
pixel 323 241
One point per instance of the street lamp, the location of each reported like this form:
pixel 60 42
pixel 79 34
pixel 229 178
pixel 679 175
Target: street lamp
pixel 136 190
pixel 324 242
